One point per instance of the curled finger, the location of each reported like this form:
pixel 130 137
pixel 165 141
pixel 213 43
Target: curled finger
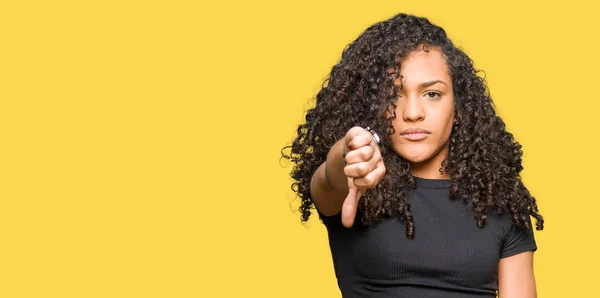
pixel 372 179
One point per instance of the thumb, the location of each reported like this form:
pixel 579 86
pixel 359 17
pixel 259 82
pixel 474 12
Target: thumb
pixel 350 205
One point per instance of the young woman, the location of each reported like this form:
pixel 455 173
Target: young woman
pixel 404 137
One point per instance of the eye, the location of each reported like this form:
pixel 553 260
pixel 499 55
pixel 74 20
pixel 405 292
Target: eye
pixel 433 95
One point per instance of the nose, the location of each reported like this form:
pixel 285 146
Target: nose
pixel 413 109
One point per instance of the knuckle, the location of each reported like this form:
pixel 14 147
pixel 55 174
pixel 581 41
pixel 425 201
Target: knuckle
pixel 347 171
pixel 361 155
pixel 355 131
pixel 358 182
pixel 370 181
pixel 364 154
pixel 364 169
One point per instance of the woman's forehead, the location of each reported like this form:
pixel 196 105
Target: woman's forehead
pixel 422 66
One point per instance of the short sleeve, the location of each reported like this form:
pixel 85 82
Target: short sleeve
pixel 518 240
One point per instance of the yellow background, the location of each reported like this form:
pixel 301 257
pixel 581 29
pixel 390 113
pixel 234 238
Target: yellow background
pixel 140 140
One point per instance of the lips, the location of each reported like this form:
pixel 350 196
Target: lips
pixel 415 134
pixel 414 131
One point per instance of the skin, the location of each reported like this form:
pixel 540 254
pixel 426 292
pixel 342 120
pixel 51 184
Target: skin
pixel 426 101
pixel 515 276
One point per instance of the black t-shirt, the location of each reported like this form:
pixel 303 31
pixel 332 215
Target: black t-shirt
pixel 449 255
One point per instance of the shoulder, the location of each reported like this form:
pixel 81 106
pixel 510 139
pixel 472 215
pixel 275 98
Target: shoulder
pixel 515 238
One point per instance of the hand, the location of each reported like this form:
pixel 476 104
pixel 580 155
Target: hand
pixel 364 169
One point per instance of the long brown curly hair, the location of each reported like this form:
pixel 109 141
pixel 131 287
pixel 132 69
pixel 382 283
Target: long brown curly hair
pixel 483 162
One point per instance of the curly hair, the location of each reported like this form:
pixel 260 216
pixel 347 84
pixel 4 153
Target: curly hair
pixel 483 161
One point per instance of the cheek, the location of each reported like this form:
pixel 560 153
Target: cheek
pixel 445 122
pixel 396 123
pixel 447 130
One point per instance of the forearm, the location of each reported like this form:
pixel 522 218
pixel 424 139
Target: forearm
pixel 329 184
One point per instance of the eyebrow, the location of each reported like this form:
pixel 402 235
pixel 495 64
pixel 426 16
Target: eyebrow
pixel 431 83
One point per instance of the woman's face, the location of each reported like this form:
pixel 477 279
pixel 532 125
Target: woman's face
pixel 424 112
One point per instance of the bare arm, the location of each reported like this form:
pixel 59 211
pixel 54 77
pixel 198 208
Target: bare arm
pixel 338 186
pixel 329 186
pixel 515 276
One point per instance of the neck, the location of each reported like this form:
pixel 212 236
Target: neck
pixel 431 171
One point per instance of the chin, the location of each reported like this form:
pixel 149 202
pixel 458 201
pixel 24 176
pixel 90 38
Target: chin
pixel 414 157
